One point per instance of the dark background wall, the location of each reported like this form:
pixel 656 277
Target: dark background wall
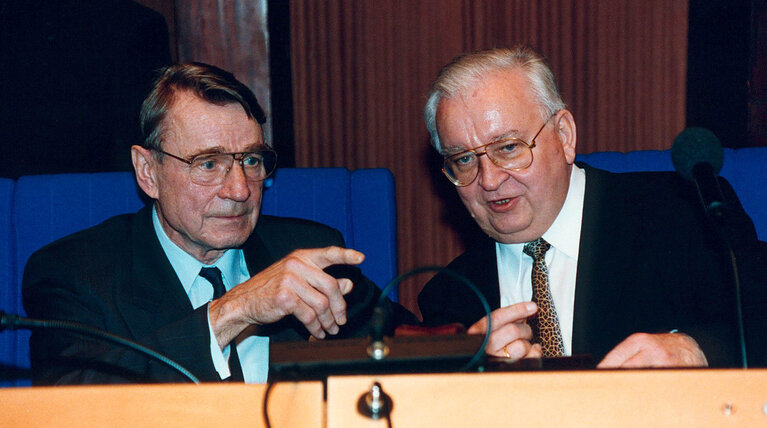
pixel 72 76
pixel 344 82
pixel 719 62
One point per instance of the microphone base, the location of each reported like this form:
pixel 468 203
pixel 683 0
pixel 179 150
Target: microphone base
pixel 315 360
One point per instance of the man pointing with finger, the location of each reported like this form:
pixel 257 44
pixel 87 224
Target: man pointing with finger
pixel 198 275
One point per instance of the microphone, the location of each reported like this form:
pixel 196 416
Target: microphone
pixel 378 350
pixel 698 156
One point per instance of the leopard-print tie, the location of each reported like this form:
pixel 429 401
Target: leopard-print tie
pixel 545 323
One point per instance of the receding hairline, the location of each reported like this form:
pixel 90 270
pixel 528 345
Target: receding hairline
pixel 179 92
pixel 180 95
pixel 462 78
pixel 467 71
pixel 207 82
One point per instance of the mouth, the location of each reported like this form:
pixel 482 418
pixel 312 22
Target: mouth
pixel 229 216
pixel 503 205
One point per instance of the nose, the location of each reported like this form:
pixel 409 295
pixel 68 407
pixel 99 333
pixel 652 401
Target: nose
pixel 490 175
pixel 235 185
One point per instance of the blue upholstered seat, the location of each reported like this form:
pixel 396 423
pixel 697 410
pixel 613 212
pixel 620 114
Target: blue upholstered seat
pixel 9 290
pixel 743 168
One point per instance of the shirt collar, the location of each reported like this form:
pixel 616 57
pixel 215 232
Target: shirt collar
pixel 187 267
pixel 564 233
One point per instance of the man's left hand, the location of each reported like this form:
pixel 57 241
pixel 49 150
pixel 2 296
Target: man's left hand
pixel 655 350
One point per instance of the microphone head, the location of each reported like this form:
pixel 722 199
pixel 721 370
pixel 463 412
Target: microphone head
pixel 693 146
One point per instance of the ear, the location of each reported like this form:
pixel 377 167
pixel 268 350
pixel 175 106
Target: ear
pixel 145 165
pixel 565 127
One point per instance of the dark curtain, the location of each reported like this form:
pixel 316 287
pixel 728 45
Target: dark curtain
pixel 361 71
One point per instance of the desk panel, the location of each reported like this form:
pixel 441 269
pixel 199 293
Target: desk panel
pixel 298 405
pixel 636 398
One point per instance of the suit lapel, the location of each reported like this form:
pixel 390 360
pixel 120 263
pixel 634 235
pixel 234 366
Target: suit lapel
pixel 603 256
pixel 479 265
pixel 487 279
pixel 257 254
pixel 154 296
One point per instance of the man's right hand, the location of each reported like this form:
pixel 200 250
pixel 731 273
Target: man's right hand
pixel 295 285
pixel 510 335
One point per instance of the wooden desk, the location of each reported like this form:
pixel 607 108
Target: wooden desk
pixel 637 398
pixel 296 405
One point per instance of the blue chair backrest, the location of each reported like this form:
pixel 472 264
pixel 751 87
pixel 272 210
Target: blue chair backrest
pixel 360 204
pixel 743 168
pixel 9 291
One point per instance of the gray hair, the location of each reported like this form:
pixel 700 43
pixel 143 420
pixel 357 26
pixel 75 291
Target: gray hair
pixel 208 82
pixel 468 70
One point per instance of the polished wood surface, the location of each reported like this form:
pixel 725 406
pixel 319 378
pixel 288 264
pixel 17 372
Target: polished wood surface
pixel 296 405
pixel 637 398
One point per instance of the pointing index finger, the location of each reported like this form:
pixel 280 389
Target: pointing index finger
pixel 328 256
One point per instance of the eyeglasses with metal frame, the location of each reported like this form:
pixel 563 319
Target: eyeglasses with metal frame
pixel 210 169
pixel 513 154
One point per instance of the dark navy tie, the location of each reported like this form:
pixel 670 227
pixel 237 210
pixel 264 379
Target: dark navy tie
pixel 213 275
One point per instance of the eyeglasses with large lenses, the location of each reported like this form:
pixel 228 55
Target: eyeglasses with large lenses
pixel 513 154
pixel 210 169
pixel 510 153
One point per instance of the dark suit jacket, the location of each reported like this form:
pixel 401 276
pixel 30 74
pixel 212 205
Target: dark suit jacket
pixel 116 277
pixel 649 261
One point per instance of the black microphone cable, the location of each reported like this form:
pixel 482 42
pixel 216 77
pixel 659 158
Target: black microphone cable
pixel 698 156
pixel 378 322
pixel 15 322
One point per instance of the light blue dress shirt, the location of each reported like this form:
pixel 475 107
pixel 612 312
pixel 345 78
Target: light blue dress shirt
pixel 253 351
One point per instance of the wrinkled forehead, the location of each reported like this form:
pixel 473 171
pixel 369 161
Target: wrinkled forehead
pixel 501 106
pixel 202 125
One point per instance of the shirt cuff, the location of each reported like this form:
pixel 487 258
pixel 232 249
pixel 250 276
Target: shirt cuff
pixel 220 357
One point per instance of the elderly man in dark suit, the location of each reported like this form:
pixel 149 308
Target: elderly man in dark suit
pixel 198 275
pixel 577 260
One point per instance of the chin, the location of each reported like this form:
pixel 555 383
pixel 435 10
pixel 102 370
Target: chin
pixel 510 235
pixel 229 244
pixel 231 238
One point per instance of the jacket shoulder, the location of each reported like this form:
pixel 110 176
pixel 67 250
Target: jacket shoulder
pixel 308 232
pixel 103 238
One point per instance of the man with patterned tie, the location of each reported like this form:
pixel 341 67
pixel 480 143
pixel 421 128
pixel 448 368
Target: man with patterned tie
pixel 576 260
pixel 198 275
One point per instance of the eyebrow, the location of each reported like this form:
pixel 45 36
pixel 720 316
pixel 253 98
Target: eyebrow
pixel 220 150
pixel 511 133
pixel 450 151
pixel 447 152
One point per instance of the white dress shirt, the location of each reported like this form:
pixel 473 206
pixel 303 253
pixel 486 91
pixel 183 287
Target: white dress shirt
pixel 253 351
pixel 515 267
